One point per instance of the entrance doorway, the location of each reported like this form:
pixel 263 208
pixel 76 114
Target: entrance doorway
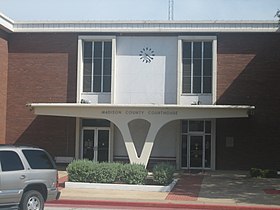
pixel 196 144
pixel 96 144
pixel 196 151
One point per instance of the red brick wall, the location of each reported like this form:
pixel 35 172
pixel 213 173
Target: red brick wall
pixel 42 68
pixel 3 84
pixel 249 74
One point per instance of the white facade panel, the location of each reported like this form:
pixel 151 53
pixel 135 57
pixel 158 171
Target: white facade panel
pixel 146 70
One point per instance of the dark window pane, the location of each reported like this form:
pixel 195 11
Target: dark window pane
pixel 87 67
pixel 87 49
pixel 108 49
pixel 87 84
pixel 196 84
pixel 106 83
pixel 96 123
pixel 207 84
pixel 97 66
pixel 186 85
pixel 197 46
pixel 187 49
pixel 186 67
pixel 207 50
pixel 38 159
pixel 97 84
pixel 107 67
pixel 196 125
pixel 197 67
pixel 207 67
pixel 184 151
pixel 184 126
pixel 103 145
pixel 97 49
pixel 207 126
pixel 10 161
pixel 207 161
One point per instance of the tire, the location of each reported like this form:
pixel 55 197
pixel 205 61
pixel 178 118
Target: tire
pixel 32 200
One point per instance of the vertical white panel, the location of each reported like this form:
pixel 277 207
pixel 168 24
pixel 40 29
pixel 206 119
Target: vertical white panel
pixel 151 81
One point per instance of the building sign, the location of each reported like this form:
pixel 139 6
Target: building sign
pixel 139 112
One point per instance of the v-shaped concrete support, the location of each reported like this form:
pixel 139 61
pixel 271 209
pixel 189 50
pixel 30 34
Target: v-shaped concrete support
pixel 148 145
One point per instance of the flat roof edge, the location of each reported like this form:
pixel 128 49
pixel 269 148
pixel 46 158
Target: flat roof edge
pixel 140 26
pixel 31 105
pixel 6 23
pixel 177 26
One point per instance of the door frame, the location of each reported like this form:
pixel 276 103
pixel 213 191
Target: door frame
pixel 212 146
pixel 189 152
pixel 95 146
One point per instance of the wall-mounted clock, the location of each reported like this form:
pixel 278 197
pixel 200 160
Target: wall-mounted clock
pixel 147 55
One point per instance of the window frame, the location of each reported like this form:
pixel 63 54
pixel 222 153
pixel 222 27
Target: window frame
pixel 80 75
pixel 101 74
pixel 181 40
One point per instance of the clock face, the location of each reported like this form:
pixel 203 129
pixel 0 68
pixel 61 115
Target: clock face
pixel 147 55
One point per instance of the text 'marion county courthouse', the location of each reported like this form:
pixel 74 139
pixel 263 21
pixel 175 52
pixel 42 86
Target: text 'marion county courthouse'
pixel 200 95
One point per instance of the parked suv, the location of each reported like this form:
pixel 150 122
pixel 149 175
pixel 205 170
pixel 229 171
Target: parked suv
pixel 28 177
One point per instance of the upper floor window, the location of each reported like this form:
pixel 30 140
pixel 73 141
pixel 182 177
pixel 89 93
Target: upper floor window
pixel 197 59
pixel 97 66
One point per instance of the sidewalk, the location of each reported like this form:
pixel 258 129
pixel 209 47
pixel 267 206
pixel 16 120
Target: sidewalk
pixel 209 190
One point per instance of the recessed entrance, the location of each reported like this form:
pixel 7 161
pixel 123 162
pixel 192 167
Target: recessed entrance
pixel 96 144
pixel 196 144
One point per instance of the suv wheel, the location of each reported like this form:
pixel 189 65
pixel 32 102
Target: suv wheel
pixel 32 200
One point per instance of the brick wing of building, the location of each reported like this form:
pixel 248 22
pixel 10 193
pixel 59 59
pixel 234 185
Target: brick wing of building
pixel 200 95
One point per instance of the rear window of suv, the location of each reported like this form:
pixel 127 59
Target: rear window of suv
pixel 38 159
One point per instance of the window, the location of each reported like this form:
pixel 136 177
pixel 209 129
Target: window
pixel 10 161
pixel 197 67
pixel 38 159
pixel 97 68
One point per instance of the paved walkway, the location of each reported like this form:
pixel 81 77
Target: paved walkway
pixel 211 190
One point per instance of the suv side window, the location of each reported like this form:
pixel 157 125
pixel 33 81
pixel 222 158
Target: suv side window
pixel 38 159
pixel 10 161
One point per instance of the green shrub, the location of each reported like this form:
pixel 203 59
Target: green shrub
pixel 163 173
pixel 133 173
pixel 93 172
pixel 105 173
pixel 263 173
pixel 256 172
pixel 80 171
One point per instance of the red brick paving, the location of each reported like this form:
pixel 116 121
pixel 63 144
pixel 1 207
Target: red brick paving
pixel 61 182
pixel 187 188
pixel 271 191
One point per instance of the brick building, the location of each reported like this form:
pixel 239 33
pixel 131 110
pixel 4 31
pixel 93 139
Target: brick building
pixel 202 95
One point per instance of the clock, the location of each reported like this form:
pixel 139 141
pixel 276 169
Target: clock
pixel 146 55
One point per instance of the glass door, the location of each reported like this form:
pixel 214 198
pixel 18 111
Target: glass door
pixel 196 151
pixel 103 146
pixel 96 144
pixel 88 144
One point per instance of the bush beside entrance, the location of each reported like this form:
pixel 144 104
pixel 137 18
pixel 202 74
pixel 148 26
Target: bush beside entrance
pixel 263 173
pixel 93 172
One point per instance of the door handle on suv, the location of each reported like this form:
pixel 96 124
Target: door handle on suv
pixel 22 177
